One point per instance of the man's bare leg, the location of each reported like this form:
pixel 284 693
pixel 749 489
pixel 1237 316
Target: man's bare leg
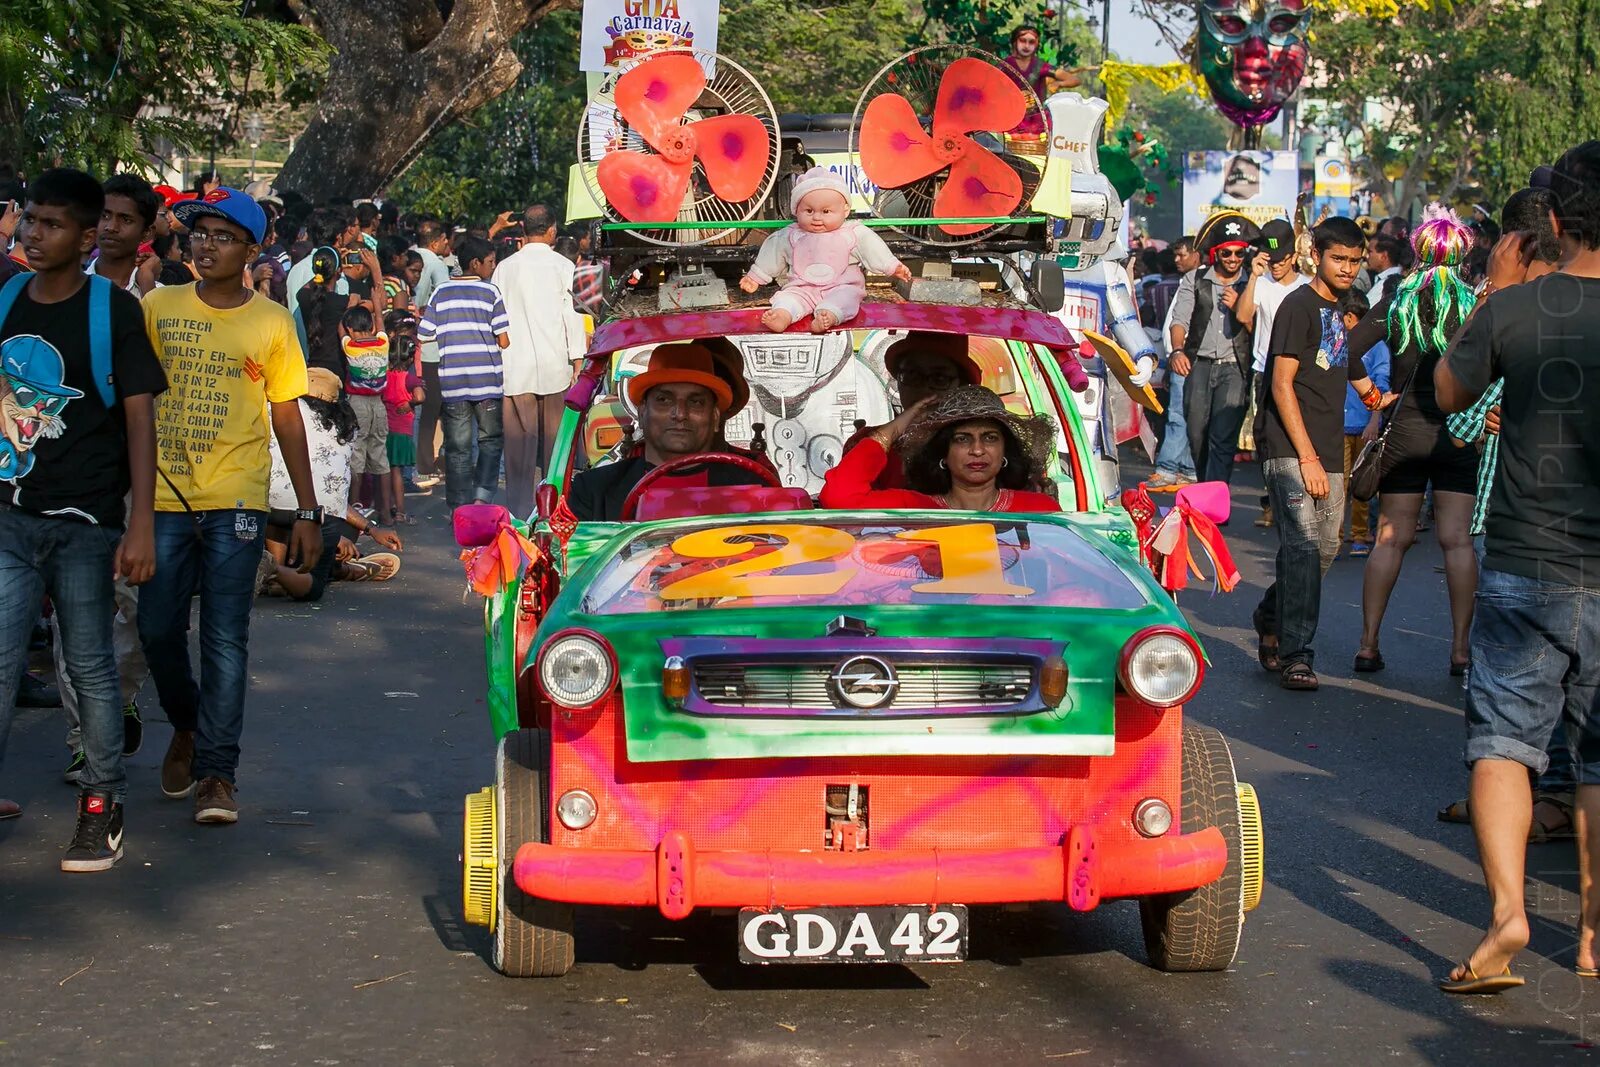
pixel 1501 802
pixel 1586 821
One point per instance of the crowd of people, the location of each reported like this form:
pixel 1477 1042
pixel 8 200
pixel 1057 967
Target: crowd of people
pixel 1448 372
pixel 307 360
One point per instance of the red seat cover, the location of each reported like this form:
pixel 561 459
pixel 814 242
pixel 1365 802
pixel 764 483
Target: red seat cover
pixel 677 502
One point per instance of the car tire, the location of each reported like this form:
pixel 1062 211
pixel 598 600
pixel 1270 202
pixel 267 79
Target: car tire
pixel 1199 930
pixel 532 937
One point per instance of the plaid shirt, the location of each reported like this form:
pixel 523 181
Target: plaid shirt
pixel 1468 426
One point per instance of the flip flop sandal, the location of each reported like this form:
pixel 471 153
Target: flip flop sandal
pixel 379 566
pixel 1366 664
pixel 1360 550
pixel 1457 812
pixel 1459 670
pixel 1541 832
pixel 1472 983
pixel 1300 677
pixel 1266 654
pixel 1586 972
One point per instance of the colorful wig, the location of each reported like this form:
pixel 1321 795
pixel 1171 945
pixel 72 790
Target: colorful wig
pixel 1434 300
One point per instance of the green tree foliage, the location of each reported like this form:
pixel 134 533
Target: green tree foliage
pixel 1551 103
pixel 102 83
pixel 814 58
pixel 516 149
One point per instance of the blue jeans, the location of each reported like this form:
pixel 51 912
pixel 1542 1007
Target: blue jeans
pixel 70 560
pixel 1173 457
pixel 1308 540
pixel 213 554
pixel 461 484
pixel 1535 666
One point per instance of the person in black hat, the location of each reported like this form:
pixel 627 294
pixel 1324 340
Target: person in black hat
pixel 1211 346
pixel 1271 277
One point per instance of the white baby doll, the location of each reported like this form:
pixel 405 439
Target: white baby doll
pixel 823 251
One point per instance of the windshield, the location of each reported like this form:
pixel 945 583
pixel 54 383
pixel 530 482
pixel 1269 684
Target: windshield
pixel 853 563
pixel 807 396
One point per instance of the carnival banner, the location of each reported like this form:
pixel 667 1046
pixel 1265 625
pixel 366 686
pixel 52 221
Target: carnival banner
pixel 1259 185
pixel 618 30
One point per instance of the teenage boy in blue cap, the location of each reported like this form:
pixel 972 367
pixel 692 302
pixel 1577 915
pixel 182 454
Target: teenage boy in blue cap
pixel 231 355
pixel 77 433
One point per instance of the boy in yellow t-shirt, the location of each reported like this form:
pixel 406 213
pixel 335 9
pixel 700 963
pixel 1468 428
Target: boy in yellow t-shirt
pixel 234 363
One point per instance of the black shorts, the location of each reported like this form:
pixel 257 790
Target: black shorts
pixel 1420 452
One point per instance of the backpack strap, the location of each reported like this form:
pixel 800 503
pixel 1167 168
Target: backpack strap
pixel 9 293
pixel 100 355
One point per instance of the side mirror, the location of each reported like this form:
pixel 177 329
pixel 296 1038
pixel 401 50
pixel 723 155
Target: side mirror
pixel 544 501
pixel 582 392
pixel 1050 283
pixel 477 525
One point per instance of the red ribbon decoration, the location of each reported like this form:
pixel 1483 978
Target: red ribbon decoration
pixel 1173 565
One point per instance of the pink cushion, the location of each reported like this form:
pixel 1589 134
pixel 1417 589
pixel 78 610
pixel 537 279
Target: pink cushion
pixel 477 524
pixel 678 503
pixel 1210 499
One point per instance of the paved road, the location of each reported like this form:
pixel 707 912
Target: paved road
pixel 325 929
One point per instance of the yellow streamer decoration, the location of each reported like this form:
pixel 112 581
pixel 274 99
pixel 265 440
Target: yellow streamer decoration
pixel 1118 78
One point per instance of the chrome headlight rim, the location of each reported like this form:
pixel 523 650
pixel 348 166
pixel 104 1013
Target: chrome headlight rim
pixel 1137 643
pixel 604 660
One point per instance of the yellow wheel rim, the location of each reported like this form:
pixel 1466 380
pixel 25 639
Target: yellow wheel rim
pixel 480 860
pixel 1252 845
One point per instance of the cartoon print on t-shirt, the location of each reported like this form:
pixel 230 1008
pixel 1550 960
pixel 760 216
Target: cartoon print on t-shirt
pixel 1332 349
pixel 32 401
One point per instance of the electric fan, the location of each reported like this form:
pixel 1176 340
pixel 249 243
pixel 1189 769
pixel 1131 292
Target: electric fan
pixel 664 141
pixel 929 132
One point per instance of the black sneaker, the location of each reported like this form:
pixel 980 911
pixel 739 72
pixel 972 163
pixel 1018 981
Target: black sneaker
pixel 132 728
pixel 74 769
pixel 97 843
pixel 34 692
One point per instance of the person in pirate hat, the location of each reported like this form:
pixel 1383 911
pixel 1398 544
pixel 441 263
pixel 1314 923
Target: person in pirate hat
pixel 1211 346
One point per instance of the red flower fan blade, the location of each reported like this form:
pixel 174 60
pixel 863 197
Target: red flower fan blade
pixel 654 96
pixel 895 150
pixel 974 95
pixel 979 184
pixel 643 188
pixel 734 150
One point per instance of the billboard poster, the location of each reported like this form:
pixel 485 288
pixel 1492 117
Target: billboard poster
pixel 1260 185
pixel 1333 187
pixel 617 31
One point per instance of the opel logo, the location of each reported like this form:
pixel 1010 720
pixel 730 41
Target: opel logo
pixel 864 682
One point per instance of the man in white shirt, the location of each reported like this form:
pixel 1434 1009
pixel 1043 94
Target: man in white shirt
pixel 547 344
pixel 433 244
pixel 1272 277
pixel 1388 259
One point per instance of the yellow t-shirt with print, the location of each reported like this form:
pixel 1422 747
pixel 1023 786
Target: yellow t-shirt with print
pixel 223 368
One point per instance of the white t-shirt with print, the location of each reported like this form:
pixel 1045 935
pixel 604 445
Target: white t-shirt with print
pixel 330 468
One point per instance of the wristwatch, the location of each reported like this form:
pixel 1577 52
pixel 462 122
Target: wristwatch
pixel 308 515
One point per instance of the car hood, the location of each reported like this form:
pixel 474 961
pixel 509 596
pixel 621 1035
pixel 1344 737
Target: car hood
pixel 965 586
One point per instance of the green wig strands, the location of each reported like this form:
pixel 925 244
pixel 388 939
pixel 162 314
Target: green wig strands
pixel 1434 299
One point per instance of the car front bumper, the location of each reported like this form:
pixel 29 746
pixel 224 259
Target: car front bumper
pixel 676 878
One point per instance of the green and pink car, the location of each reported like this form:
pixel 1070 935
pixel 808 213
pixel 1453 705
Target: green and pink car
pixel 844 727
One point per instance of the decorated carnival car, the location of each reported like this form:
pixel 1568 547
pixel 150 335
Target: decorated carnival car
pixel 845 726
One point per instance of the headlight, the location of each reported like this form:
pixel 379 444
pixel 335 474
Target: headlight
pixel 1161 666
pixel 575 670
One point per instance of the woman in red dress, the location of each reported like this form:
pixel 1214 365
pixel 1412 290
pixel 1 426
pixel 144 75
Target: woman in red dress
pixel 963 451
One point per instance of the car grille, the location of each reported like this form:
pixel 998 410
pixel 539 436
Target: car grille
pixel 804 686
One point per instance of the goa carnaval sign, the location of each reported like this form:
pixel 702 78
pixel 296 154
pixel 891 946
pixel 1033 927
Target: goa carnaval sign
pixel 1252 54
pixel 615 31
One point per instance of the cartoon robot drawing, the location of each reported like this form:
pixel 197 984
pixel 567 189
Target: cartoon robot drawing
pixel 33 398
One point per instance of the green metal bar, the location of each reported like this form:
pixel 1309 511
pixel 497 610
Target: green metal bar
pixel 778 224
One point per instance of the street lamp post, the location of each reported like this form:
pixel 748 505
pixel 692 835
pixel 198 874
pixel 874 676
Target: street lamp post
pixel 1105 30
pixel 254 130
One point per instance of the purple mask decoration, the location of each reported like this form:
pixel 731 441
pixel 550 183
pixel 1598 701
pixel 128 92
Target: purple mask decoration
pixel 1252 54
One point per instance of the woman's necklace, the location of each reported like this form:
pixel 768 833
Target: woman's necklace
pixel 944 501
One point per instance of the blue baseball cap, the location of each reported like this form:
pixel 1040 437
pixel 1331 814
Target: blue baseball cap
pixel 225 203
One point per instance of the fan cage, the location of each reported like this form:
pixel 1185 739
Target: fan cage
pixel 730 90
pixel 916 75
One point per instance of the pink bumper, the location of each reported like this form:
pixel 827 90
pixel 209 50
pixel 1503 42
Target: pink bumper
pixel 677 879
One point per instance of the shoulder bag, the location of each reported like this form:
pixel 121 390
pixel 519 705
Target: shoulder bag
pixel 1367 470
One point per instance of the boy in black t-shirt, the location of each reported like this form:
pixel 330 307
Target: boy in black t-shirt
pixel 1302 448
pixel 67 460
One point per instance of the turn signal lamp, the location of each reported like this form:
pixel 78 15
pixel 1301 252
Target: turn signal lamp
pixel 1053 681
pixel 675 680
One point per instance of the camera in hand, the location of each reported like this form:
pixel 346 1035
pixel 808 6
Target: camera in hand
pixel 351 259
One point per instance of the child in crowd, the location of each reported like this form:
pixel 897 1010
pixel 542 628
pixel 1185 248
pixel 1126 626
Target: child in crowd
pixel 1361 425
pixel 468 318
pixel 366 352
pixel 401 396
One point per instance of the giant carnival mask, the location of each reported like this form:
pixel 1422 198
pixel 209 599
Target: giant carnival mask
pixel 1252 54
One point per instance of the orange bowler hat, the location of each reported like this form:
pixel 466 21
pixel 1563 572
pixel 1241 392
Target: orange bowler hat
pixel 685 363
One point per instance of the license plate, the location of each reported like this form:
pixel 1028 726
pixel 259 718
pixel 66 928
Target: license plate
pixel 890 934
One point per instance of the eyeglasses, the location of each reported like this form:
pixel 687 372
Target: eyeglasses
pixel 220 238
pixel 1230 253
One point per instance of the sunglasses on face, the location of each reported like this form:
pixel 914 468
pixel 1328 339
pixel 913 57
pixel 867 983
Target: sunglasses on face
pixel 27 397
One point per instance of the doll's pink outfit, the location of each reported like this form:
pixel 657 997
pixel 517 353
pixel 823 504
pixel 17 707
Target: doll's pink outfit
pixel 824 268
